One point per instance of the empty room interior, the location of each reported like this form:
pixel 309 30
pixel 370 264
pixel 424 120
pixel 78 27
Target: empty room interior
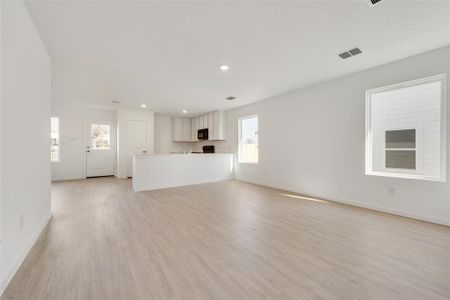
pixel 224 150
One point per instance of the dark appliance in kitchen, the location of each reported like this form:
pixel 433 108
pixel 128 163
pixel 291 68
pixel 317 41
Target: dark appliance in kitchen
pixel 208 149
pixel 202 134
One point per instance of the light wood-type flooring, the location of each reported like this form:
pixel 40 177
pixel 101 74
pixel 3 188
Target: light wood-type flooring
pixel 226 240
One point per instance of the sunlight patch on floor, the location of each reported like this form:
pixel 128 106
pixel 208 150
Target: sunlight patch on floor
pixel 304 198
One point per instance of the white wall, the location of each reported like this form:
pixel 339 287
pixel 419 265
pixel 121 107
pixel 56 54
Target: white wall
pixel 72 122
pixel 123 115
pixel 219 146
pixel 312 141
pixel 25 128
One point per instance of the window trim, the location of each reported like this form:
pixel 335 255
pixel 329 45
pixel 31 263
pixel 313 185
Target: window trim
pixel 443 130
pixel 59 138
pixel 240 139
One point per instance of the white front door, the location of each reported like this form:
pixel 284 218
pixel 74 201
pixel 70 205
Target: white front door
pixel 100 149
pixel 136 141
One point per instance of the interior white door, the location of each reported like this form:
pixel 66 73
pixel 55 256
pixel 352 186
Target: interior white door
pixel 136 141
pixel 100 149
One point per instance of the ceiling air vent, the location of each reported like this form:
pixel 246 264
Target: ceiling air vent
pixel 345 55
pixel 350 53
pixel 374 2
pixel 231 98
pixel 355 51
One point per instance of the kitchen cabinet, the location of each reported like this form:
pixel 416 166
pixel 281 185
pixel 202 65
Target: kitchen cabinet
pixel 197 126
pixel 194 128
pixel 181 129
pixel 185 129
pixel 205 121
pixel 218 127
pixel 202 121
pixel 211 125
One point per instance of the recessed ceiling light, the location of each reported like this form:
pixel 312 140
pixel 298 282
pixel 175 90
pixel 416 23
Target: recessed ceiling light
pixel 184 111
pixel 224 67
pixel 143 105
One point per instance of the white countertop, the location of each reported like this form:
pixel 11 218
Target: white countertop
pixel 182 154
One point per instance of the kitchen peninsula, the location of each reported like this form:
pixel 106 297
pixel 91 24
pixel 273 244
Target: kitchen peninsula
pixel 160 171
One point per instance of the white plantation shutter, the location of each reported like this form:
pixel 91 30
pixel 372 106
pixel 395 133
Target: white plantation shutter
pixel 405 130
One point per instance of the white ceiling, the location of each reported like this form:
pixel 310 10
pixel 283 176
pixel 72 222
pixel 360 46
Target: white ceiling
pixel 166 54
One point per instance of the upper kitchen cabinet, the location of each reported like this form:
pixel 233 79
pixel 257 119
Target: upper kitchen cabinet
pixel 181 129
pixel 194 128
pixel 210 125
pixel 216 126
pixel 205 120
pixel 185 130
pixel 200 122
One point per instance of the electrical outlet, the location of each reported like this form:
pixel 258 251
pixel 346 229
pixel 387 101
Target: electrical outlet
pixel 391 191
pixel 21 221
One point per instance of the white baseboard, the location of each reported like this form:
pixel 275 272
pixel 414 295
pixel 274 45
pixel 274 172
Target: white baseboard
pixel 10 274
pixel 80 178
pixel 67 179
pixel 359 204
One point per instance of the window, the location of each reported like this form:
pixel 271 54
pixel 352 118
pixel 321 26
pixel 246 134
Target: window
pixel 405 130
pixel 100 137
pixel 400 149
pixel 248 140
pixel 54 139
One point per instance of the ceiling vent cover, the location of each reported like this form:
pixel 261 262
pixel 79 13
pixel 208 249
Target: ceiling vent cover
pixel 345 55
pixel 350 53
pixel 374 2
pixel 355 51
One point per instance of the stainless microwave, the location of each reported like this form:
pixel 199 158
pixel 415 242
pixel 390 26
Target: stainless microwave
pixel 202 134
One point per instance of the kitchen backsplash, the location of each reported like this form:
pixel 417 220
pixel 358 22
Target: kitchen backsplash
pixel 220 147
